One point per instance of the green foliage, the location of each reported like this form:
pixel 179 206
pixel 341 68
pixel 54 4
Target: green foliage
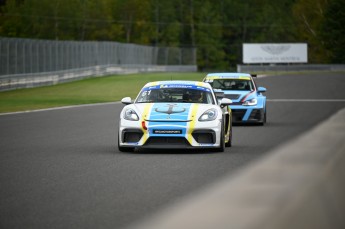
pixel 167 23
pixel 217 28
pixel 208 36
pixel 333 30
pixel 309 15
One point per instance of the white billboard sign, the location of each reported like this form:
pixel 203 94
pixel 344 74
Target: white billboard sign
pixel 275 53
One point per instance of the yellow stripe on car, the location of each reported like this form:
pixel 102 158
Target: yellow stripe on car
pixel 151 84
pixel 192 116
pixel 146 113
pixel 200 84
pixel 212 77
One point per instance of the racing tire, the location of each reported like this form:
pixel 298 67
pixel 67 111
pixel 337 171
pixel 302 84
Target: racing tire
pixel 264 119
pixel 229 143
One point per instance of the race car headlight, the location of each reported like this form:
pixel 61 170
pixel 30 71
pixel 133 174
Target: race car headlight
pixel 209 115
pixel 130 114
pixel 251 102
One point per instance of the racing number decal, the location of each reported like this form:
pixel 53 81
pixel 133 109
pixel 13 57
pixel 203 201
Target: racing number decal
pixel 146 93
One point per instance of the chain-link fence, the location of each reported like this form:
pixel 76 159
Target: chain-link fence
pixel 23 61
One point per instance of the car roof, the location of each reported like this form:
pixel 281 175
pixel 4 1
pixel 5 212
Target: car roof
pixel 228 75
pixel 177 83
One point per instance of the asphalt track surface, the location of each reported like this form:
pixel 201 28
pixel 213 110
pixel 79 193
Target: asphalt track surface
pixel 61 168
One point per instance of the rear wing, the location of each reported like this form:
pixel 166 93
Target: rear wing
pixel 254 75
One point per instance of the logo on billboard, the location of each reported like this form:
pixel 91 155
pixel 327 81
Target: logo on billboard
pixel 275 53
pixel 275 49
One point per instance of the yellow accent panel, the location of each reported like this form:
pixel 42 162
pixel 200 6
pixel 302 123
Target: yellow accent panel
pixel 152 84
pixel 146 113
pixel 228 77
pixel 192 116
pixel 212 77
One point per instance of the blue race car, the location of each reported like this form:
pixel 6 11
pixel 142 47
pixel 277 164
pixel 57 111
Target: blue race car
pixel 248 102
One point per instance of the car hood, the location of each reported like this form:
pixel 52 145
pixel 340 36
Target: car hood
pixel 173 112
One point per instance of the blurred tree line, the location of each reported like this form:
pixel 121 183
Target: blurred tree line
pixel 217 28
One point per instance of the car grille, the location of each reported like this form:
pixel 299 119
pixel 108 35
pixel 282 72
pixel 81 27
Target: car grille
pixel 237 114
pixel 160 141
pixel 132 135
pixel 255 115
pixel 232 96
pixel 204 137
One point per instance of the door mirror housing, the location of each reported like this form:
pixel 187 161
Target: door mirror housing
pixel 225 102
pixel 126 100
pixel 261 89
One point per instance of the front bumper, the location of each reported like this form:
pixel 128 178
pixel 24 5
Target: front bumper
pixel 246 114
pixel 161 135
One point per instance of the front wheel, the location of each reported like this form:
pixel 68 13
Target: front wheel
pixel 229 143
pixel 263 119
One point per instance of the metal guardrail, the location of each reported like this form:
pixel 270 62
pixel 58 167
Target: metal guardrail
pixel 30 62
pixel 10 82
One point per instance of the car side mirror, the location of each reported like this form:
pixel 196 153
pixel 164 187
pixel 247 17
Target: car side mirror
pixel 261 89
pixel 219 94
pixel 126 100
pixel 225 102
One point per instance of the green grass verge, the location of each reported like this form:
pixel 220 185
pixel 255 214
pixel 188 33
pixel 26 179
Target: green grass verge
pixel 88 91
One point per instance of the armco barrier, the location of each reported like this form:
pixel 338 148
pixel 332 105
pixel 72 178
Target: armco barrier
pixel 10 82
pixel 300 185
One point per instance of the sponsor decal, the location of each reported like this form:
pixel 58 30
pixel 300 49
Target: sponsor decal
pixel 175 86
pixel 186 86
pixel 167 131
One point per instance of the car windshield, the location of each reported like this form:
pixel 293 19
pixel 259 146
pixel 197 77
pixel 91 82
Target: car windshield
pixel 182 95
pixel 233 84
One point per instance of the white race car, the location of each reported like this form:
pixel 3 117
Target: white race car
pixel 175 115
